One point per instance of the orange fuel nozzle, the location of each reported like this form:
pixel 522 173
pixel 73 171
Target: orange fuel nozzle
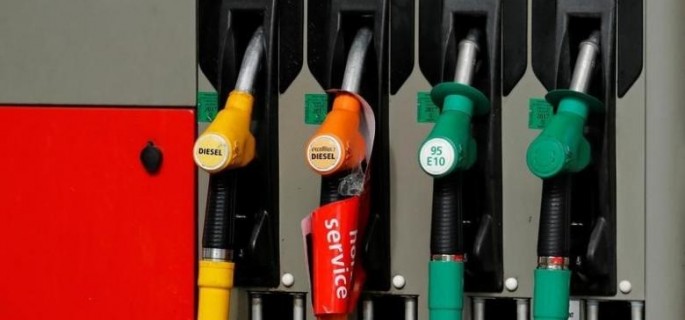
pixel 338 145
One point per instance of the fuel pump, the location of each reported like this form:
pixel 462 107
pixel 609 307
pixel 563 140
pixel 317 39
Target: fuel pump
pixel 226 144
pixel 336 152
pixel 340 131
pixel 555 155
pixel 249 52
pixel 476 46
pixel 448 150
pixel 333 29
pixel 588 55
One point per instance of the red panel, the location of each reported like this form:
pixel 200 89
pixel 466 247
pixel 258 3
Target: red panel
pixel 85 231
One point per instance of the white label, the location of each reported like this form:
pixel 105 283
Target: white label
pixel 574 310
pixel 324 153
pixel 436 156
pixel 212 152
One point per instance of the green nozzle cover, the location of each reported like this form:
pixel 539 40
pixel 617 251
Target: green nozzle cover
pixel 439 94
pixel 561 147
pixel 445 290
pixel 551 295
pixel 450 145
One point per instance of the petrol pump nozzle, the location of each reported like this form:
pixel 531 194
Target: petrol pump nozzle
pixel 450 146
pixel 561 148
pixel 338 145
pixel 227 143
pixel 449 149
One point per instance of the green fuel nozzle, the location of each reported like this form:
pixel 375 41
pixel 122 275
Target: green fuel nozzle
pixel 561 147
pixel 450 146
pixel 448 149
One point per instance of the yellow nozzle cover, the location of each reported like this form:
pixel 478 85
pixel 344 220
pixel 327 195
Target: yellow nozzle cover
pixel 215 281
pixel 227 142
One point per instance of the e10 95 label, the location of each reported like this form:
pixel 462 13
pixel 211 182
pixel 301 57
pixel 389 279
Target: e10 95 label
pixel 436 156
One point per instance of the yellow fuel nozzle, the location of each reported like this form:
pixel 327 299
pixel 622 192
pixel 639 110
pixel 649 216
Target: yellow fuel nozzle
pixel 227 142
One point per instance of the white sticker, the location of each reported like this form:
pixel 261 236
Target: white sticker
pixel 574 310
pixel 212 152
pixel 436 156
pixel 324 153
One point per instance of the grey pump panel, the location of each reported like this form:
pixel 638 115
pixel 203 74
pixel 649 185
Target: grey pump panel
pixel 648 188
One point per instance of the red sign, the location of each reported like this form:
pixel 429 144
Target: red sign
pixel 335 241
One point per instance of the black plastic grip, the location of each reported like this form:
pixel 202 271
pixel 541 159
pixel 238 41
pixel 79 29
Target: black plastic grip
pixel 447 220
pixel 555 218
pixel 329 189
pixel 219 221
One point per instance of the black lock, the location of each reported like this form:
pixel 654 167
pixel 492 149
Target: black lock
pixel 151 158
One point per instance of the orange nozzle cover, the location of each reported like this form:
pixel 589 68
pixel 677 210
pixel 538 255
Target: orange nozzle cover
pixel 338 145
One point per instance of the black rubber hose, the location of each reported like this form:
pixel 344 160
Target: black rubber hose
pixel 447 219
pixel 555 218
pixel 329 189
pixel 219 220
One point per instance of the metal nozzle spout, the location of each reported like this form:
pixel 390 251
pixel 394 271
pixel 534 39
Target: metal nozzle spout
pixel 585 63
pixel 251 62
pixel 466 61
pixel 355 60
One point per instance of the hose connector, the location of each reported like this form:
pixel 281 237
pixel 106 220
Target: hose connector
pixel 553 263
